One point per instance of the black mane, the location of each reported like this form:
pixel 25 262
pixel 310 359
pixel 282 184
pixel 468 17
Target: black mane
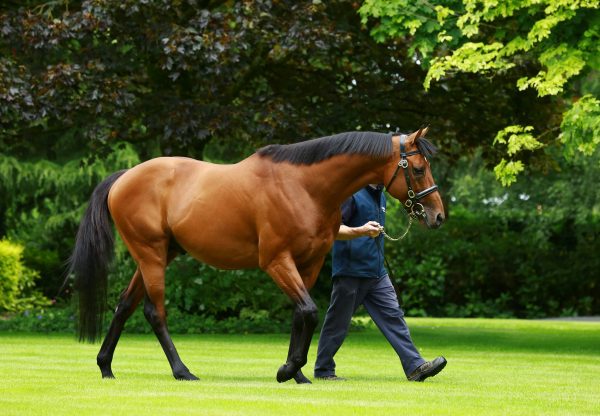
pixel 317 150
pixel 426 148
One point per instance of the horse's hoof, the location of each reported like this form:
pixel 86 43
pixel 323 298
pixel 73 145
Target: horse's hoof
pixel 186 376
pixel 301 378
pixel 285 373
pixel 107 374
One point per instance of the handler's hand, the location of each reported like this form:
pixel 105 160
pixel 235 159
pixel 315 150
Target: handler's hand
pixel 372 229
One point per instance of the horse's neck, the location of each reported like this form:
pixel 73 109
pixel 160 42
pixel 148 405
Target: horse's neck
pixel 334 180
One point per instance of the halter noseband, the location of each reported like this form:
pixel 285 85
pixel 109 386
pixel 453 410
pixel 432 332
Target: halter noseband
pixel 412 203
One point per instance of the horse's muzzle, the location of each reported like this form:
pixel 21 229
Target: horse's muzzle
pixel 437 223
pixel 439 220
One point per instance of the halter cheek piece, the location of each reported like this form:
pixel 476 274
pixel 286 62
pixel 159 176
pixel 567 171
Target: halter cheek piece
pixel 412 203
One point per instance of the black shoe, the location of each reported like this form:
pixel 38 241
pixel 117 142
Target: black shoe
pixel 428 369
pixel 332 377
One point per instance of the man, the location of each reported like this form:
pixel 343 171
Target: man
pixel 359 277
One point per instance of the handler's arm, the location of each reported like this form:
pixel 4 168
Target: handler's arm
pixel 370 229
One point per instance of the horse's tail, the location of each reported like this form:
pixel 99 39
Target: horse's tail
pixel 90 261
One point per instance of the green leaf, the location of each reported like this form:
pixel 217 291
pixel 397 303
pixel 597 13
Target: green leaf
pixel 581 127
pixel 517 138
pixel 506 172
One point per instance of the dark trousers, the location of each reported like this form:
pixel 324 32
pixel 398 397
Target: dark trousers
pixel 379 298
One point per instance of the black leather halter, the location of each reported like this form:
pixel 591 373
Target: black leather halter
pixel 412 203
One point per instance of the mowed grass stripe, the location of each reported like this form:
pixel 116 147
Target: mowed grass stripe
pixel 502 372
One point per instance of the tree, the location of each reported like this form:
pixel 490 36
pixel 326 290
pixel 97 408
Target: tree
pixel 552 45
pixel 172 76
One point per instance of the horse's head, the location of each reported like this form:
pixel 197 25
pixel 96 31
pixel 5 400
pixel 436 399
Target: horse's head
pixel 408 178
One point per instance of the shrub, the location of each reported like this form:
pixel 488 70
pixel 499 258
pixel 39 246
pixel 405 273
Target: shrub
pixel 17 281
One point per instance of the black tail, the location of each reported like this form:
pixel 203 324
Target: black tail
pixel 91 259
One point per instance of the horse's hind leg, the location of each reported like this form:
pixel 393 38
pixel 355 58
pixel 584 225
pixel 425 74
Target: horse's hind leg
pixel 154 310
pixel 129 300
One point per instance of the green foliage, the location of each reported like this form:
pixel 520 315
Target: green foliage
pixel 244 294
pixel 255 71
pixel 517 138
pixel 506 171
pixel 17 282
pixel 530 26
pixel 549 45
pixel 423 281
pixel 63 318
pixel 528 251
pixel 217 79
pixel 562 64
pixel 581 126
pixel 43 202
pixel 44 319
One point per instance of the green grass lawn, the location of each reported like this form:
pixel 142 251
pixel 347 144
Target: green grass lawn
pixel 504 367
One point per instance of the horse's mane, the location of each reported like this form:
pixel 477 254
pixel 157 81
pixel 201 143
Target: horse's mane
pixel 355 142
pixel 426 148
pixel 317 150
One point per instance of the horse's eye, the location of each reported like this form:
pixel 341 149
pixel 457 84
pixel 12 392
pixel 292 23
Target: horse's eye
pixel 419 171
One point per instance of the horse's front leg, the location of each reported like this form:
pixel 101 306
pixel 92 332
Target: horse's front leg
pixel 303 327
pixel 298 328
pixel 305 319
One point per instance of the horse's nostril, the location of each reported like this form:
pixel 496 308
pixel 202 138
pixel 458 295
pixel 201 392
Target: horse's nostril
pixel 439 219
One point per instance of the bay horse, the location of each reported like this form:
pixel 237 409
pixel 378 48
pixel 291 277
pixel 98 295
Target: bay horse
pixel 278 209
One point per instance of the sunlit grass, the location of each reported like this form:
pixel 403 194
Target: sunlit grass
pixel 495 367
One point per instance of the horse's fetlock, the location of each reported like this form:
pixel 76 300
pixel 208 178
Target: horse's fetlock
pixel 297 362
pixel 103 360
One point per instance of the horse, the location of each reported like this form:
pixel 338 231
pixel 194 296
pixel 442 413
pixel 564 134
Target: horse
pixel 278 209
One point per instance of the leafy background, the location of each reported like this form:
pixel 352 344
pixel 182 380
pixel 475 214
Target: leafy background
pixel 509 88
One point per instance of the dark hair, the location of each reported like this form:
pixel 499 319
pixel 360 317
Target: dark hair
pixel 316 150
pixel 426 148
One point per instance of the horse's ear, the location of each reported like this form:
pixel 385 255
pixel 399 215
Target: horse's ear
pixel 422 132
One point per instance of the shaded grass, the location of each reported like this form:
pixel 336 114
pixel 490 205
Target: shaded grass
pixel 495 367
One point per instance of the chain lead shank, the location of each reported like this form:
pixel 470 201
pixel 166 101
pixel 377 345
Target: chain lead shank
pixel 386 235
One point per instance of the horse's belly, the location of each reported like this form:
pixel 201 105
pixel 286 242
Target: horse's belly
pixel 226 257
pixel 219 248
